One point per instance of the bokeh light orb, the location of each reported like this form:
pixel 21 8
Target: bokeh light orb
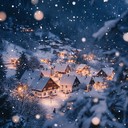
pixel 121 64
pixel 83 39
pixel 126 1
pixel 95 100
pixel 125 36
pixel 38 15
pixel 34 2
pixel 73 3
pixel 95 121
pixel 16 119
pixel 37 116
pixel 3 16
pixel 117 53
pixel 55 125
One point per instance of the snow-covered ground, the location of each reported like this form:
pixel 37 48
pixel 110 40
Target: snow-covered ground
pixel 11 52
pixel 55 102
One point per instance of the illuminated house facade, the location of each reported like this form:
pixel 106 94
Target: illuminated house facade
pixel 44 87
pixel 69 83
pixel 107 73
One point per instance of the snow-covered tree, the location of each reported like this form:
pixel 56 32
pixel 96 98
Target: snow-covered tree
pixel 91 110
pixel 21 66
pixel 5 108
pixel 2 70
pixel 117 100
pixel 96 109
pixel 26 106
pixel 34 63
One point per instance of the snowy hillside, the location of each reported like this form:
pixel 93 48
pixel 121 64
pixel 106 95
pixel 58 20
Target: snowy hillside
pixel 43 52
pixel 10 53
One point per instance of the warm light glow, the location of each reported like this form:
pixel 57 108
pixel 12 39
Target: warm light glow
pixel 99 86
pixel 20 89
pixel 3 16
pixel 48 116
pixel 15 119
pixel 88 57
pixel 27 30
pixel 13 61
pixel 34 1
pixel 95 121
pixel 62 54
pixel 71 61
pixel 111 76
pixel 38 15
pixel 45 60
pixel 125 36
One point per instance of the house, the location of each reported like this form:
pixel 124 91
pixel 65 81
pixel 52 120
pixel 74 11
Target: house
pixel 29 76
pixel 69 83
pixel 14 61
pixel 83 69
pixel 45 60
pixel 86 82
pixel 71 58
pixel 107 72
pixel 44 87
pixel 47 72
pixel 93 72
pixel 92 82
pixel 98 83
pixel 63 54
pixel 61 69
pixel 45 66
pixel 88 57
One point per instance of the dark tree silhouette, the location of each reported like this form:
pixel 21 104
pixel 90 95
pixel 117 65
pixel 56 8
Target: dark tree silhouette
pixel 21 66
pixel 34 63
pixel 5 108
pixel 2 70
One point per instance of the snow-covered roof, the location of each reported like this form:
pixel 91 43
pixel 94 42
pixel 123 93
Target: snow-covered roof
pixel 98 79
pixel 81 66
pixel 85 80
pixel 67 80
pixel 46 73
pixel 93 71
pixel 46 66
pixel 39 83
pixel 108 70
pixel 108 25
pixel 60 67
pixel 73 73
pixel 29 76
pixel 64 51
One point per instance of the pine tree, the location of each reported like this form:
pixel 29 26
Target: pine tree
pixel 22 65
pixel 2 70
pixel 5 108
pixel 34 63
pixel 92 110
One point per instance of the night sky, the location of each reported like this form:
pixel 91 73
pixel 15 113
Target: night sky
pixel 69 18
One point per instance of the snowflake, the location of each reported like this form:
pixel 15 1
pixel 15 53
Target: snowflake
pixel 73 3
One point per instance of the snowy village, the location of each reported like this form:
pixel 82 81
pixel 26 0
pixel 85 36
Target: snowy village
pixel 63 64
